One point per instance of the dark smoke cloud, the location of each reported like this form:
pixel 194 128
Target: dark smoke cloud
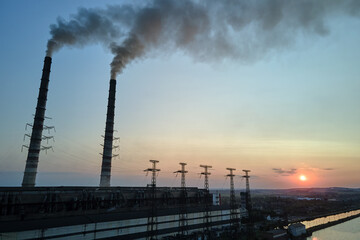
pixel 207 30
pixel 87 26
pixel 283 172
pixel 130 49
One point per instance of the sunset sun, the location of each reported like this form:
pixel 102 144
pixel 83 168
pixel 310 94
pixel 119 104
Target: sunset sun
pixel 302 178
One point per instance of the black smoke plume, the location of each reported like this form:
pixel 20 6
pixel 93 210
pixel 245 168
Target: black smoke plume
pixel 209 30
pixel 87 26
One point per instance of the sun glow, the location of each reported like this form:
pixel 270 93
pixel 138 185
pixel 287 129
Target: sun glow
pixel 302 178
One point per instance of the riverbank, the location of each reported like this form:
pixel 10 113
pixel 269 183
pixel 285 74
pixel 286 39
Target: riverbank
pixel 311 218
pixel 329 224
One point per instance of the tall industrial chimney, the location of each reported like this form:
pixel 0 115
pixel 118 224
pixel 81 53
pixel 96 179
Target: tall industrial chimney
pixel 37 128
pixel 108 138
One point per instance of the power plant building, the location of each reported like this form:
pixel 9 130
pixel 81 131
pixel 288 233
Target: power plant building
pixel 97 213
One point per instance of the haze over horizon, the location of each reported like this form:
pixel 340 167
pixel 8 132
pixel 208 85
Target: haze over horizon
pixel 292 110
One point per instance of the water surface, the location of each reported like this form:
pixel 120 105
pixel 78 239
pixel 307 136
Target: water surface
pixel 349 230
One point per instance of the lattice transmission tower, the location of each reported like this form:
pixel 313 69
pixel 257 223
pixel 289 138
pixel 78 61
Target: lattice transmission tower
pixel 152 219
pixel 208 199
pixel 248 204
pixel 183 202
pixel 233 205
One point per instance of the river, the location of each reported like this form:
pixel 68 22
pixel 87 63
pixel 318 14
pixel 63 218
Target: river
pixel 349 230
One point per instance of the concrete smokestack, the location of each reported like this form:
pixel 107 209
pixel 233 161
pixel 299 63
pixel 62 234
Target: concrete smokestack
pixel 36 135
pixel 108 139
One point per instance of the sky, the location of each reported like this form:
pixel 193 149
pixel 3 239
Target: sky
pixel 289 110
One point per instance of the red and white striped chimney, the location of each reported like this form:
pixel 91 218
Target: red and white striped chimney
pixel 108 138
pixel 36 135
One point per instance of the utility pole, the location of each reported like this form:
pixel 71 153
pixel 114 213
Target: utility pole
pixel 207 216
pixel 233 205
pixel 183 202
pixel 152 219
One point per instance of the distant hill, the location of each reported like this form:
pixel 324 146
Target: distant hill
pixel 294 191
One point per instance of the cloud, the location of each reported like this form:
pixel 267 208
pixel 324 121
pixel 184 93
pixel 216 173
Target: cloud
pixel 317 169
pixel 327 169
pixel 284 172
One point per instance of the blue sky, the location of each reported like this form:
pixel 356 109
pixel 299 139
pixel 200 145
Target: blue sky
pixel 297 107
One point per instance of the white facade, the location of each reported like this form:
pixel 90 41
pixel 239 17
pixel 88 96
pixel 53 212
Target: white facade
pixel 297 229
pixel 216 199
